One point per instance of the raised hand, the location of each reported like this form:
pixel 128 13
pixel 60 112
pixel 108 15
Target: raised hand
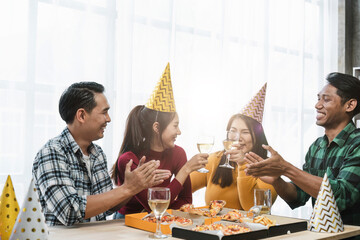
pixel 144 176
pixel 274 166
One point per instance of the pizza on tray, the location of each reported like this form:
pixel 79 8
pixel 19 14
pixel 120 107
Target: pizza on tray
pixel 234 229
pixel 226 229
pixel 215 207
pixel 232 215
pixel 168 219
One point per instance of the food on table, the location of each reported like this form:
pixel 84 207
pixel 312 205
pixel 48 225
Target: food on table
pixel 232 215
pixel 226 229
pixel 209 227
pixel 168 219
pixel 214 208
pixel 234 229
pixel 264 221
pixel 217 204
pixel 186 207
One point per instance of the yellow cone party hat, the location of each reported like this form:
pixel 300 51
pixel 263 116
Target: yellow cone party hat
pixel 162 98
pixel 30 223
pixel 325 216
pixel 255 108
pixel 9 209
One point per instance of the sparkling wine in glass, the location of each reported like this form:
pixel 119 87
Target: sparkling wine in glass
pixel 232 137
pixel 204 145
pixel 158 200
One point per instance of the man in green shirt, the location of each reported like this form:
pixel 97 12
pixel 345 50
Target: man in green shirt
pixel 337 153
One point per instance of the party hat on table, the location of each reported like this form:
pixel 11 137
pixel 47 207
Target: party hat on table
pixel 162 98
pixel 9 209
pixel 326 216
pixel 30 223
pixel 255 108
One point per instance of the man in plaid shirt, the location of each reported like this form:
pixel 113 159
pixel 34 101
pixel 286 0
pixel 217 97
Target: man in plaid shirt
pixel 337 153
pixel 70 171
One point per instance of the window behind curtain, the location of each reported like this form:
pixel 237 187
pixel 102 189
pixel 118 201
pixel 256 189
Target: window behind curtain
pixel 220 54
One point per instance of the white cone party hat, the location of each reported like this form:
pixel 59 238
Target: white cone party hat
pixel 326 216
pixel 30 223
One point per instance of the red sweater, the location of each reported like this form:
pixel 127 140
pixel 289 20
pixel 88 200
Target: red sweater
pixel 171 159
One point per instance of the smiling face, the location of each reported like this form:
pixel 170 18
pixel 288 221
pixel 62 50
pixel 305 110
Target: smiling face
pixel 170 133
pixel 98 118
pixel 330 111
pixel 245 141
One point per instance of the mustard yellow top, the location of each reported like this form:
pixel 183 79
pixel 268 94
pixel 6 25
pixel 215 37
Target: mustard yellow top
pixel 239 195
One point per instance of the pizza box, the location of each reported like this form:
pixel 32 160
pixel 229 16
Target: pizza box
pixel 284 225
pixel 135 220
pixel 257 231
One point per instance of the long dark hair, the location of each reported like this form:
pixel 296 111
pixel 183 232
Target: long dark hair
pixel 139 132
pixel 224 176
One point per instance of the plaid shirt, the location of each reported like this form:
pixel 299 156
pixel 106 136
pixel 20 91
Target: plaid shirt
pixel 63 182
pixel 341 161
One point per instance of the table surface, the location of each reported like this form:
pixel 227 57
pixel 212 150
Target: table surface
pixel 116 229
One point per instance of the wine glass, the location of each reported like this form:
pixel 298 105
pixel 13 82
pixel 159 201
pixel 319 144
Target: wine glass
pixel 232 137
pixel 158 200
pixel 204 145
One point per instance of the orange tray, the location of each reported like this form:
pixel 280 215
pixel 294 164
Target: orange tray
pixel 134 220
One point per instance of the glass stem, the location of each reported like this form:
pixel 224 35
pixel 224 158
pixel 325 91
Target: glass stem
pixel 158 227
pixel 227 159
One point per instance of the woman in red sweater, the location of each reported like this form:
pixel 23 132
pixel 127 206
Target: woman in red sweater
pixel 150 134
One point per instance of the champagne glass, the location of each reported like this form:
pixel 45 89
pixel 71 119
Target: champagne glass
pixel 232 137
pixel 158 200
pixel 204 145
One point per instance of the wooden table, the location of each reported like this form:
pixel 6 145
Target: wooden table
pixel 116 229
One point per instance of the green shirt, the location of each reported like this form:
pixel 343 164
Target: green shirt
pixel 341 161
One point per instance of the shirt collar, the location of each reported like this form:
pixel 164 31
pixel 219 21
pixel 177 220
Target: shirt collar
pixel 70 141
pixel 341 138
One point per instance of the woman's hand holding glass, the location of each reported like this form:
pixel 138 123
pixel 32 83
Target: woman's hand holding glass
pixel 204 145
pixel 232 137
pixel 197 162
pixel 236 154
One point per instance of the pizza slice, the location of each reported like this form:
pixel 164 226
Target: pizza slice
pixel 234 229
pixel 233 215
pixel 183 222
pixel 151 219
pixel 186 207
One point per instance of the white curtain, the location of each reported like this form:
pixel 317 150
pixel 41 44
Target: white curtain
pixel 220 51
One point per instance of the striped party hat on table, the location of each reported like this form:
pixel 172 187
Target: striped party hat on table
pixel 162 98
pixel 30 223
pixel 255 108
pixel 9 209
pixel 326 216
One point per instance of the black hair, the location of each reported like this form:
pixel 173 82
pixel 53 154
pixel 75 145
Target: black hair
pixel 348 87
pixel 78 95
pixel 224 176
pixel 139 132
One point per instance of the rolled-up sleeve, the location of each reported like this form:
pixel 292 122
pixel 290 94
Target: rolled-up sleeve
pixel 57 188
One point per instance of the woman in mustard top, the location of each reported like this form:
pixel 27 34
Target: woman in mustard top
pixel 232 185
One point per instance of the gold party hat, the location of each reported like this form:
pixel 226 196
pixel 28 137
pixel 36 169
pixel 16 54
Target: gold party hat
pixel 326 216
pixel 9 209
pixel 162 98
pixel 30 224
pixel 255 108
